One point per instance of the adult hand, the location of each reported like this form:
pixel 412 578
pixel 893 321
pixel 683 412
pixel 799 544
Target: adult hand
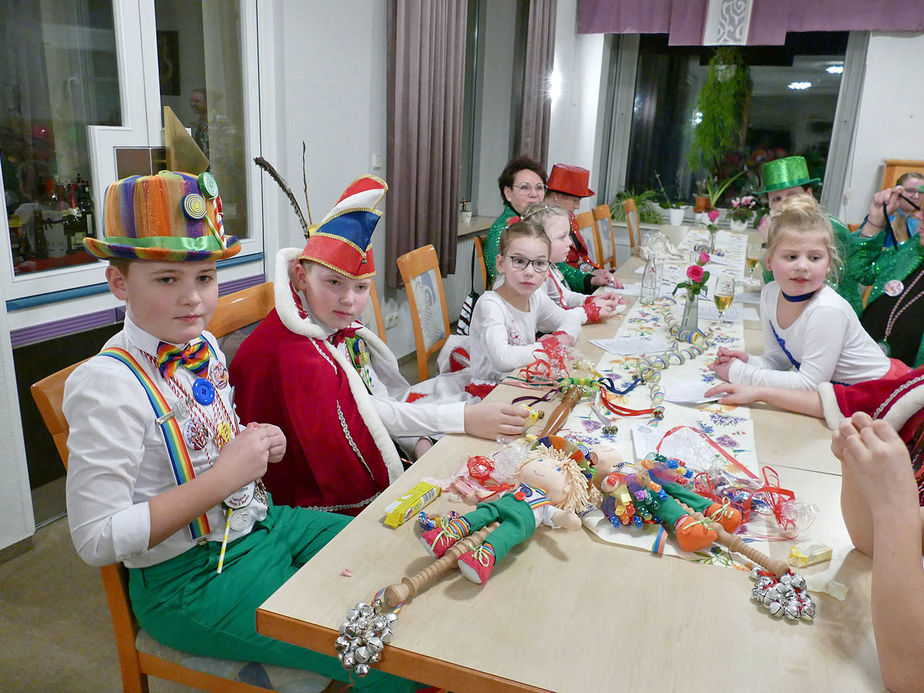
pixel 495 421
pixel 875 217
pixel 602 277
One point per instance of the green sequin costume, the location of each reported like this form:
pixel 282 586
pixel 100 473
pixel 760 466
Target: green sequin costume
pixel 873 264
pixel 576 279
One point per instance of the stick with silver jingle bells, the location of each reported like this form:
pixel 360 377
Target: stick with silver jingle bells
pixel 368 627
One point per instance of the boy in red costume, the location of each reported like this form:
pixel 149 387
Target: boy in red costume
pixel 330 383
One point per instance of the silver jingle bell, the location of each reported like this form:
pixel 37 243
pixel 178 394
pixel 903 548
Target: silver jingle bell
pixel 776 609
pixel 352 614
pixel 348 661
pixel 362 670
pixel 361 654
pixel 375 644
pixel 366 610
pixel 342 644
pixel 386 635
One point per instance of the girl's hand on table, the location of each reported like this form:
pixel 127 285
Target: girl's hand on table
pixel 734 393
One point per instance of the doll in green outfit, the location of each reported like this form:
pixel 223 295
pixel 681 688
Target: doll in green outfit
pixel 548 488
pixel 789 176
pixel 894 312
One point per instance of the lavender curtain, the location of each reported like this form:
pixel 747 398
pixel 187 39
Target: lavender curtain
pixel 426 76
pixel 770 19
pixel 533 125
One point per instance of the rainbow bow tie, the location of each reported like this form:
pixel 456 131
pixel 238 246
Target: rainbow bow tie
pixel 195 357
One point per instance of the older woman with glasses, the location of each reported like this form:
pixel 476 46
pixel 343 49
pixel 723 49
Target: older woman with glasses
pixel 521 183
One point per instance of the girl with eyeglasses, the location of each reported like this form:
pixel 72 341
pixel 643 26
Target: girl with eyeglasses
pixel 557 224
pixel 506 320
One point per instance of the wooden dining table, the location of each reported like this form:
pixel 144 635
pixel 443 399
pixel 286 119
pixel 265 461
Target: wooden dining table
pixel 569 612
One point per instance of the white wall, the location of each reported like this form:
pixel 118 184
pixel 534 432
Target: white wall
pixel 495 94
pixel 578 61
pixel 890 119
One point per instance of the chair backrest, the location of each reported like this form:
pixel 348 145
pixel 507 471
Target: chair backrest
pixel 635 232
pixel 588 230
pixel 371 316
pixel 426 298
pixel 895 168
pixel 479 242
pixel 237 312
pixel 605 231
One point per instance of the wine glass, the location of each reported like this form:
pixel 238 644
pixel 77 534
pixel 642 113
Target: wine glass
pixel 755 251
pixel 724 293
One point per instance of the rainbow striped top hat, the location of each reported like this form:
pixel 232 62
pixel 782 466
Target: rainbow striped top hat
pixel 168 217
pixel 343 240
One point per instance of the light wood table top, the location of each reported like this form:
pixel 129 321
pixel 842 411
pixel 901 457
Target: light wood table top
pixel 567 612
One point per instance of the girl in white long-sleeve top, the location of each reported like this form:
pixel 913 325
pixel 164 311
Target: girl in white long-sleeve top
pixel 505 321
pixel 811 334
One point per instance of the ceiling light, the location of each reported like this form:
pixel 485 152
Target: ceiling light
pixel 799 85
pixel 834 69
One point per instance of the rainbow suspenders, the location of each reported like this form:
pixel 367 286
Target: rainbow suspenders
pixel 180 462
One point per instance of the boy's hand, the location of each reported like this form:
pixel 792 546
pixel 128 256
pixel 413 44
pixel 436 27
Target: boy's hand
pixel 565 339
pixel 277 448
pixel 878 459
pixel 245 456
pixel 734 394
pixel 495 421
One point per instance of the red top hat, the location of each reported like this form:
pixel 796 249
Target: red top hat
pixel 570 180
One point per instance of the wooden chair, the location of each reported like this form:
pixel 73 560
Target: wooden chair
pixel 588 231
pixel 895 168
pixel 605 231
pixel 426 299
pixel 479 242
pixel 371 316
pixel 635 231
pixel 238 310
pixel 234 311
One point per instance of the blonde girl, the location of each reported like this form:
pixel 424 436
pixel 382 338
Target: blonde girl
pixel 505 321
pixel 811 335
pixel 557 224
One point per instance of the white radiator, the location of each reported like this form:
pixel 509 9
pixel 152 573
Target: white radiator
pixel 457 286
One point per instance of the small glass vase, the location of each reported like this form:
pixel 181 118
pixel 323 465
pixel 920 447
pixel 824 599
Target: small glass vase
pixel 689 320
pixel 711 241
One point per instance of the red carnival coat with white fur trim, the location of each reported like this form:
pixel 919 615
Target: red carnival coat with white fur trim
pixel 286 373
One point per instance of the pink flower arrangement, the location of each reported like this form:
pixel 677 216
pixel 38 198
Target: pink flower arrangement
pixel 713 215
pixel 742 208
pixel 696 277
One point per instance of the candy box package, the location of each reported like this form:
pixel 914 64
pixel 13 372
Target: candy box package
pixel 408 505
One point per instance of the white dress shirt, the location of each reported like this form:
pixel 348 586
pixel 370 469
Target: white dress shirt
pixel 118 459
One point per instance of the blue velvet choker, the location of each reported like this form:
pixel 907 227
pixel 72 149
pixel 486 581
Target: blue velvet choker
pixel 798 299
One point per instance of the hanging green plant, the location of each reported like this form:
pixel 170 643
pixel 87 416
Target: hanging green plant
pixel 722 102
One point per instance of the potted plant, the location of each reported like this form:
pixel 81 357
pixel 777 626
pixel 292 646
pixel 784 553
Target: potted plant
pixel 742 210
pixel 674 209
pixel 722 104
pixel 714 191
pixel 647 214
pixel 465 214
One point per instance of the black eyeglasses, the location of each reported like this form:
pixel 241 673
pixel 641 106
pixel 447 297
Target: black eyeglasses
pixel 522 263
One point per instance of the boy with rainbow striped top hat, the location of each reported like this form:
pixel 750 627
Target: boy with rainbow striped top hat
pixel 332 385
pixel 162 477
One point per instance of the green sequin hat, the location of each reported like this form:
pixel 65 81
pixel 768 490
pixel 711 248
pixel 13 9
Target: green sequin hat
pixel 788 172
